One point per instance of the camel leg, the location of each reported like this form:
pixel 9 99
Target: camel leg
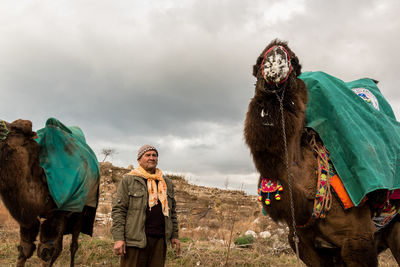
pixel 27 239
pixel 58 248
pixel 306 251
pixel 392 237
pixel 74 242
pixel 330 257
pixel 359 252
pixel 51 237
pixel 73 248
pixel 53 253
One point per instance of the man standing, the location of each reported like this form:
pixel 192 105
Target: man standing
pixel 144 215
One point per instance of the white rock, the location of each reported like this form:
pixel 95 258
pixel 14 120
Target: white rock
pixel 251 232
pixel 280 231
pixel 256 220
pixel 200 228
pixel 265 234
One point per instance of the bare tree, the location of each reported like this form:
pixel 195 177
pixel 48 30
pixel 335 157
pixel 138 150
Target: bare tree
pixel 226 183
pixel 108 152
pixel 241 186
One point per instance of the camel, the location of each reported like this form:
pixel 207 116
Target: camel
pixel 24 191
pixel 342 238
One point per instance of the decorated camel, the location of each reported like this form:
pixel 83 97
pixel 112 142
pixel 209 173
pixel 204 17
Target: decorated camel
pixel 25 192
pixel 292 161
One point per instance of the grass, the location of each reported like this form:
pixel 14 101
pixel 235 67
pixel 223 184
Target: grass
pixel 97 251
pixel 91 252
pixel 195 251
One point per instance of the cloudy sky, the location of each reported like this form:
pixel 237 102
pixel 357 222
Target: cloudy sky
pixel 177 74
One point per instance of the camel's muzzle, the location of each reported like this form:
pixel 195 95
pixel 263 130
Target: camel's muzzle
pixel 276 65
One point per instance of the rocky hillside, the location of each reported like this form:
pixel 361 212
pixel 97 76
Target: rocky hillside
pixel 204 213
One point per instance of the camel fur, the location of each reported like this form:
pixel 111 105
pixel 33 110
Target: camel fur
pixel 25 193
pixel 342 238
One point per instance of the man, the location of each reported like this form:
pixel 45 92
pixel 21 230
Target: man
pixel 144 215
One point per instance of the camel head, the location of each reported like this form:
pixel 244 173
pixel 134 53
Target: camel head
pixel 276 66
pixel 19 160
pixel 16 133
pixel 22 126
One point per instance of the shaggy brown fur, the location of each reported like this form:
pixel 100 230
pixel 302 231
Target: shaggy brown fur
pixel 24 191
pixel 342 238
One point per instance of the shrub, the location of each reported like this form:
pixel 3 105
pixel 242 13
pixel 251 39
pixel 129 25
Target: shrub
pixel 244 241
pixel 177 177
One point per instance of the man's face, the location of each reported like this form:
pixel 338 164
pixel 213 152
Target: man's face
pixel 149 160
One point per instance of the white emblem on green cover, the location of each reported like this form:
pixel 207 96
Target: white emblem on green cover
pixel 367 96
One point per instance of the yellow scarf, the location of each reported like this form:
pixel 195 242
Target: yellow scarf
pixel 155 192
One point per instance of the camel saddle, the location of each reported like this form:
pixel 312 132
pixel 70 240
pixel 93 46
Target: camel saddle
pixel 71 167
pixel 358 127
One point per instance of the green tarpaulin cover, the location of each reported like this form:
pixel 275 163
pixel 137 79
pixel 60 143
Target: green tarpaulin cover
pixel 359 129
pixel 70 164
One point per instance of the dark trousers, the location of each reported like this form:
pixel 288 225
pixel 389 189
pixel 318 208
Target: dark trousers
pixel 153 255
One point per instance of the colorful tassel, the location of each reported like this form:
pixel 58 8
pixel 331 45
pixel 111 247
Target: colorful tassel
pixel 269 186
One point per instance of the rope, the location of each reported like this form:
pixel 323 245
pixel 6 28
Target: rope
pixel 295 237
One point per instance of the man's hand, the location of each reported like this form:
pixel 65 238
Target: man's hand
pixel 177 243
pixel 120 248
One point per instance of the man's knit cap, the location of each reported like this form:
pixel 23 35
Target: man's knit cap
pixel 144 149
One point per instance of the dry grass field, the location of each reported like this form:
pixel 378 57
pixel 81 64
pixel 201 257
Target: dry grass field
pixel 210 219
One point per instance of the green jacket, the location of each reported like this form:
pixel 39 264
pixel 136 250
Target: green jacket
pixel 129 212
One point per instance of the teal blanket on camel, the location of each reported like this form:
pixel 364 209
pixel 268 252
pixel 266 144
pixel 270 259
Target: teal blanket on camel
pixel 70 165
pixel 359 129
